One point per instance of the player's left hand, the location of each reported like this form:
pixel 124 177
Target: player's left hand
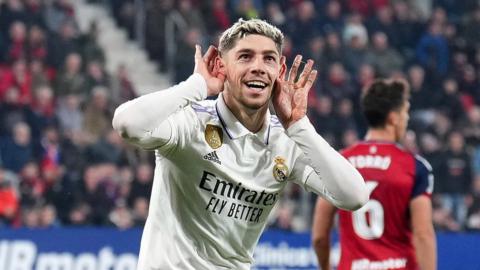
pixel 290 96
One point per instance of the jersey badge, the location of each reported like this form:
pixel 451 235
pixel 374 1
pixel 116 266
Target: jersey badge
pixel 214 136
pixel 280 170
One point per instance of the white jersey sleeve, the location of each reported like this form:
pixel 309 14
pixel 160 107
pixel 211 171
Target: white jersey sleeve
pixel 333 177
pixel 143 121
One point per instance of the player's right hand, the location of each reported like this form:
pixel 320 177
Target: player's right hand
pixel 205 66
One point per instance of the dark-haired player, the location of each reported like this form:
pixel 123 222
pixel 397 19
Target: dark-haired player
pixel 394 229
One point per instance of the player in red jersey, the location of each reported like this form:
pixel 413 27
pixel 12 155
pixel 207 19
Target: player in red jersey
pixel 394 229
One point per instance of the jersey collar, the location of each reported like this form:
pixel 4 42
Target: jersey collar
pixel 234 128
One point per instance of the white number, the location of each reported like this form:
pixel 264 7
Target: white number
pixel 373 227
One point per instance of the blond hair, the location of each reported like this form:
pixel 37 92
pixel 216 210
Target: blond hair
pixel 243 28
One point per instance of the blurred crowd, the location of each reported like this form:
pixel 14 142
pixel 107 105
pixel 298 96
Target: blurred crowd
pixel 61 163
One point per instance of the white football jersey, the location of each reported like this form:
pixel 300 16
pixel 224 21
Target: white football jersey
pixel 214 187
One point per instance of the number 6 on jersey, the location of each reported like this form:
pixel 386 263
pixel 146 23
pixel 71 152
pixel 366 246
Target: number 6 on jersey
pixel 368 221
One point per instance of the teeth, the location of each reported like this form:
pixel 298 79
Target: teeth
pixel 256 84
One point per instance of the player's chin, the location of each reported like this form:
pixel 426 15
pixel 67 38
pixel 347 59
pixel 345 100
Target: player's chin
pixel 256 103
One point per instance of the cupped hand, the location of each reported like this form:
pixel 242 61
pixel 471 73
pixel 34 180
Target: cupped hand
pixel 290 96
pixel 205 66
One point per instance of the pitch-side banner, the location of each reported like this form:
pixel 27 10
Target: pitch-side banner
pixel 110 249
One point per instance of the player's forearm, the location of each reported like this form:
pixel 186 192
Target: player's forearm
pixel 138 118
pixel 337 179
pixel 322 249
pixel 425 248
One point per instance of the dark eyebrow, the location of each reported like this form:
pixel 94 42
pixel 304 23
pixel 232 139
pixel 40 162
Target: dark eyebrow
pixel 266 52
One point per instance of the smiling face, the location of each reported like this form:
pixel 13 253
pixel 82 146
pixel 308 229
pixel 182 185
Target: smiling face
pixel 251 68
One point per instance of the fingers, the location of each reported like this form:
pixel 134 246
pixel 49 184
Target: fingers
pixel 310 80
pixel 305 73
pixel 198 54
pixel 209 59
pixel 293 71
pixel 210 54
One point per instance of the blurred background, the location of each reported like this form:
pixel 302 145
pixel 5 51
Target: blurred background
pixel 65 66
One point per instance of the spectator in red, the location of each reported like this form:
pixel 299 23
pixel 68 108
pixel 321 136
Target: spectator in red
pixel 17 45
pixel 366 7
pixel 9 201
pixel 22 79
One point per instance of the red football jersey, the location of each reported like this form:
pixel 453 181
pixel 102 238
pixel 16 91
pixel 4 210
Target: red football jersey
pixel 378 235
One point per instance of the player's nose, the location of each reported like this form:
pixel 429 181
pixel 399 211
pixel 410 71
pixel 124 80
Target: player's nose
pixel 258 66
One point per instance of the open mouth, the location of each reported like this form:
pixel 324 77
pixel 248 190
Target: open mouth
pixel 256 85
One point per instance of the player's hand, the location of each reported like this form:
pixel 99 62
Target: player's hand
pixel 290 96
pixel 205 66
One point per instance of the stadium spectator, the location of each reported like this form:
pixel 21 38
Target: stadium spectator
pixel 11 11
pixel 332 19
pixel 32 186
pixel 48 217
pixel 321 112
pixel 9 199
pixel 121 216
pixel 63 43
pixel 338 83
pixel 449 101
pixel 69 115
pixel 382 57
pixel 456 180
pixel 97 114
pixel 36 45
pixel 122 87
pixel 140 211
pixel 186 47
pixel 17 47
pixel 71 80
pixel 96 76
pixel 141 187
pixel 17 150
pixel 432 51
pixel 59 12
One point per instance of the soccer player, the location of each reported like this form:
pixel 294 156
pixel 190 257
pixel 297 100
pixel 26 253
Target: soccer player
pixel 221 165
pixel 394 229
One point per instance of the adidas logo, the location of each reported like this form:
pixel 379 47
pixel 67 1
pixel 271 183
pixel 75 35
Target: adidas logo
pixel 212 156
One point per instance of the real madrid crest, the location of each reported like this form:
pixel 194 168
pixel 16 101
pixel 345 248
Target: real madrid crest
pixel 280 170
pixel 214 136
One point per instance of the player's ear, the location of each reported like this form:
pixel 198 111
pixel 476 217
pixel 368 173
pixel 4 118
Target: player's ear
pixel 283 67
pixel 393 118
pixel 220 65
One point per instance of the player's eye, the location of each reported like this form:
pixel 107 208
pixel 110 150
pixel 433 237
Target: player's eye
pixel 244 56
pixel 270 58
